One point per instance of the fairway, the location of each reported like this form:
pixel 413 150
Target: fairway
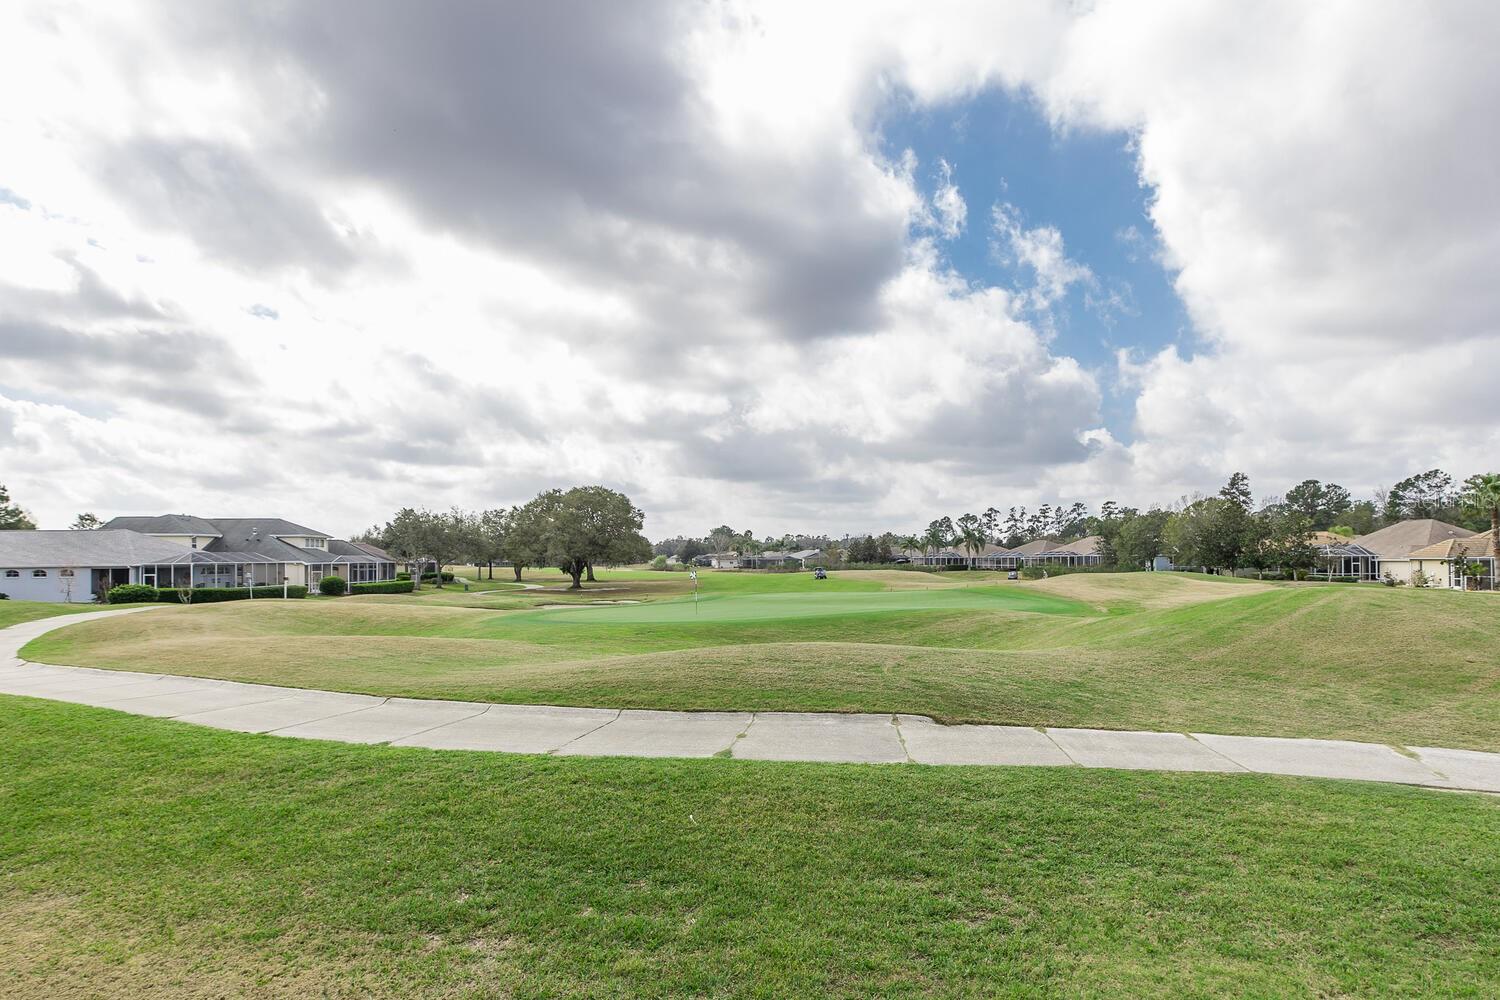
pixel 1154 651
pixel 741 607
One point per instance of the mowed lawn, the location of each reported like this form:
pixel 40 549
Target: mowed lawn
pixel 146 858
pixel 1123 651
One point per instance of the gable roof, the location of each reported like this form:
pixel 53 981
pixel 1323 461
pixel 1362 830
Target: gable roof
pixel 164 524
pixel 103 547
pixel 1400 540
pixel 263 526
pixel 1474 546
pixel 358 551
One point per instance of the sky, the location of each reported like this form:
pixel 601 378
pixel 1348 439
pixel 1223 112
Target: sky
pixel 790 267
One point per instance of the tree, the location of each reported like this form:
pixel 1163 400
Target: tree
pixel 490 543
pixel 1139 540
pixel 420 537
pixel 86 522
pixel 593 524
pixel 1321 503
pixel 1427 494
pixel 971 534
pixel 12 517
pixel 991 521
pixel 530 523
pixel 691 549
pixel 1285 538
pixel 939 535
pixel 1481 496
pixel 1361 519
pixel 723 538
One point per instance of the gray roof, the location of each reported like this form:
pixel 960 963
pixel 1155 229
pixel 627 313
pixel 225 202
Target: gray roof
pixel 1399 540
pixel 263 526
pixel 104 547
pixel 265 545
pixel 165 524
pixel 357 551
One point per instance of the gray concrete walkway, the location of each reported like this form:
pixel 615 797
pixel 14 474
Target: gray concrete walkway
pixel 786 736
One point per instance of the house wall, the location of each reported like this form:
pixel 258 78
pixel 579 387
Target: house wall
pixel 1439 571
pixel 1401 569
pixel 51 588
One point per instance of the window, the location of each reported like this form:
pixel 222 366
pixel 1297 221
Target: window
pixel 12 572
pixel 66 572
pixel 38 572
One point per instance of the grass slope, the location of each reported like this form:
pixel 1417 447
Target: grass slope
pixel 151 859
pixel 15 612
pixel 1146 651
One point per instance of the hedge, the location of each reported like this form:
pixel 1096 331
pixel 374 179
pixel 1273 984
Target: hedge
pixel 333 586
pixel 447 577
pixel 132 593
pixel 211 595
pixel 383 587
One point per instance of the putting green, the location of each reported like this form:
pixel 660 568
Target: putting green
pixel 766 607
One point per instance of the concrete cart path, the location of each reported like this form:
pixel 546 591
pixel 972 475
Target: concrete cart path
pixel 786 736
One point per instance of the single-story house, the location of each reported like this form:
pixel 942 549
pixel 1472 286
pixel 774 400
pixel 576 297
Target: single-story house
pixel 718 560
pixel 1045 552
pixel 179 550
pixel 1042 552
pixel 1446 563
pixel 777 559
pixel 1385 552
pixel 306 555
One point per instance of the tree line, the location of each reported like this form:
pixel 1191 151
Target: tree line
pixel 1224 531
pixel 574 530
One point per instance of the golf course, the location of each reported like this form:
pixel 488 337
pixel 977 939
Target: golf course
pixel 160 859
pixel 1170 652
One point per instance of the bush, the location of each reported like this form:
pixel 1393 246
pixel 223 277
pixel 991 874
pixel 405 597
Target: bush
pixel 4 596
pixel 660 562
pixel 213 595
pixel 383 587
pixel 447 577
pixel 132 593
pixel 333 586
pixel 403 575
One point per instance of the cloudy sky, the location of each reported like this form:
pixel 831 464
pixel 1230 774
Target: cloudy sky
pixel 790 266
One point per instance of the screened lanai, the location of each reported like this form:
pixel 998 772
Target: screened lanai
pixel 1347 560
pixel 200 568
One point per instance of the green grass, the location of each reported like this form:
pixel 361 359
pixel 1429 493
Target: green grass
pixel 146 858
pixel 1125 651
pixel 15 612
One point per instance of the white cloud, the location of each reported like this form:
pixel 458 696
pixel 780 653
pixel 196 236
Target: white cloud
pixel 509 248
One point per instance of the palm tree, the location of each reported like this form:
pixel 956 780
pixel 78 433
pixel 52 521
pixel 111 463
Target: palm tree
pixel 1481 495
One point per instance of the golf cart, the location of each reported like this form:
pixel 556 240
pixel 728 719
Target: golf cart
pixel 820 573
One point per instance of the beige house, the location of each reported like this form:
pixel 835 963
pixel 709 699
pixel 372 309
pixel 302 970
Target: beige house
pixel 1446 563
pixel 1393 545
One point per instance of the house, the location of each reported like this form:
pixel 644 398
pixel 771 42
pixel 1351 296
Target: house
pixel 718 560
pixel 777 559
pixel 1446 563
pixel 1387 551
pixel 179 550
pixel 305 555
pixel 77 566
pixel 1045 552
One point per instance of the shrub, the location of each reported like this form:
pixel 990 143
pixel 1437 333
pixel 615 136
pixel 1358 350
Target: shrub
pixel 4 596
pixel 211 595
pixel 132 593
pixel 1389 580
pixel 383 587
pixel 403 575
pixel 333 586
pixel 447 577
pixel 660 562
